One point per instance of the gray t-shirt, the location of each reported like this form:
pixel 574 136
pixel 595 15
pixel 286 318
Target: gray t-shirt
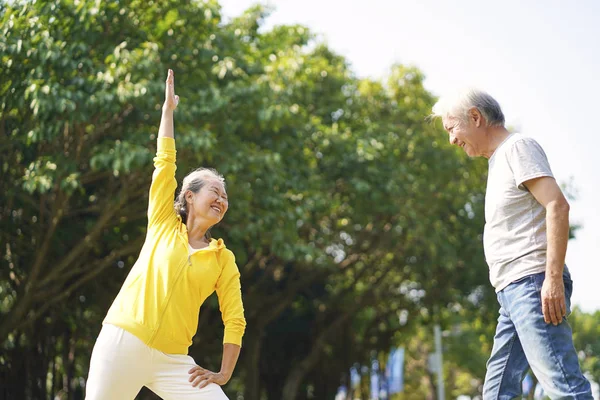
pixel 514 238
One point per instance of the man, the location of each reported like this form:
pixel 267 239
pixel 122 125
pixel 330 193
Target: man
pixel 525 241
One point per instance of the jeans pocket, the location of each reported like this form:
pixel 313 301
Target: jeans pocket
pixel 525 279
pixel 568 293
pixel 566 272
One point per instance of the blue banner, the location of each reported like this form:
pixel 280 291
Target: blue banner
pixel 375 380
pixel 394 371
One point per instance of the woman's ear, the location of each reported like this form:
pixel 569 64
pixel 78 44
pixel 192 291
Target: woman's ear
pixel 189 197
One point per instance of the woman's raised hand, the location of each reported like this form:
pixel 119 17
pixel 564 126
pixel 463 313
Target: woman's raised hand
pixel 171 100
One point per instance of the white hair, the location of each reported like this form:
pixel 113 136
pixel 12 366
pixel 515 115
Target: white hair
pixel 458 105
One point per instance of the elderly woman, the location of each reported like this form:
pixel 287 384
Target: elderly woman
pixel 146 334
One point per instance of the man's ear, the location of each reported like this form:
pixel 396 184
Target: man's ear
pixel 476 117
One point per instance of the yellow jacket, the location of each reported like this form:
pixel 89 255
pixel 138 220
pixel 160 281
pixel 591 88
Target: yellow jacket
pixel 160 299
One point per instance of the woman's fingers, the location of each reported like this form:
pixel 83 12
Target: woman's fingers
pixel 206 381
pixel 170 84
pixel 171 100
pixel 195 370
pixel 201 378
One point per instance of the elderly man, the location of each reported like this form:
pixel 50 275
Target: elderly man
pixel 525 241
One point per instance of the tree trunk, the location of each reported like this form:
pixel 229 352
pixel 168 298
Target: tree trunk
pixel 298 372
pixel 14 316
pixel 293 381
pixel 70 366
pixel 253 347
pixel 37 365
pixel 53 356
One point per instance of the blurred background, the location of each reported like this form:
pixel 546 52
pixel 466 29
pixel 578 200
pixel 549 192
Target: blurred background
pixel 356 226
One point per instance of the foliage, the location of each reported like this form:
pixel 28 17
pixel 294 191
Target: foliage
pixel 354 223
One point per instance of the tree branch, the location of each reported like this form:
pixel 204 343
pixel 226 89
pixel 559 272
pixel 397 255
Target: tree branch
pixel 62 293
pixel 85 243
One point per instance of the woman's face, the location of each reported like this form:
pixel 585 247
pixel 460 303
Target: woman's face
pixel 210 203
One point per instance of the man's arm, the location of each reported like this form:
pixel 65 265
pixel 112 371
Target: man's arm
pixel 547 192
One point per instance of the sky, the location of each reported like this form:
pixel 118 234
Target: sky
pixel 539 59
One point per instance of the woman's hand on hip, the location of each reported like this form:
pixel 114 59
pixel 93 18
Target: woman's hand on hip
pixel 200 377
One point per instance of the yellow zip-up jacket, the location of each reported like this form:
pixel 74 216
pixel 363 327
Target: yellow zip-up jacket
pixel 161 297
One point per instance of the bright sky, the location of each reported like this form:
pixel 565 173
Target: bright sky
pixel 540 59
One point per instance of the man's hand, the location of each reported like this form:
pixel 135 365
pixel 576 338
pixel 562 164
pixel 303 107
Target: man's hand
pixel 554 306
pixel 201 377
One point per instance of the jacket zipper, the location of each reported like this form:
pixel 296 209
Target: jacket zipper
pixel 162 313
pixel 181 269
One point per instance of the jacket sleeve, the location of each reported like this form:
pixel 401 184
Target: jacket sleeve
pixel 162 189
pixel 229 292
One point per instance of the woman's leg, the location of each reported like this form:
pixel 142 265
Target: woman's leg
pixel 119 367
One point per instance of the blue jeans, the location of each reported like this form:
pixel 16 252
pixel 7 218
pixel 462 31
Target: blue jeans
pixel 523 339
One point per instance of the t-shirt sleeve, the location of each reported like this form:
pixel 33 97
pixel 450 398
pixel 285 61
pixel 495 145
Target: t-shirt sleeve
pixel 528 161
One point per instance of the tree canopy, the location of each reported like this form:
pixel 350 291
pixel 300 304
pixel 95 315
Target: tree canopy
pixel 353 222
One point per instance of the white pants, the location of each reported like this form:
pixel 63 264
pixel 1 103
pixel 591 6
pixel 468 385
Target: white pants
pixel 121 364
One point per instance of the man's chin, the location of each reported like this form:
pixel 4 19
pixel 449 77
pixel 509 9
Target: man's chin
pixel 469 153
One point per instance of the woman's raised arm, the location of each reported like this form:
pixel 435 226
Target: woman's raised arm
pixel 171 101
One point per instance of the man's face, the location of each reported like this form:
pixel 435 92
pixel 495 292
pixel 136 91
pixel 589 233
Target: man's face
pixel 463 134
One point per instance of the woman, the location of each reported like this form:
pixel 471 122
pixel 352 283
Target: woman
pixel 146 334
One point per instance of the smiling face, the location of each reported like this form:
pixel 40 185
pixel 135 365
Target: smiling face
pixel 466 134
pixel 210 203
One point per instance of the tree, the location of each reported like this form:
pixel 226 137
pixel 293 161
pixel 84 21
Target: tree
pixel 348 207
pixel 586 331
pixel 80 89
